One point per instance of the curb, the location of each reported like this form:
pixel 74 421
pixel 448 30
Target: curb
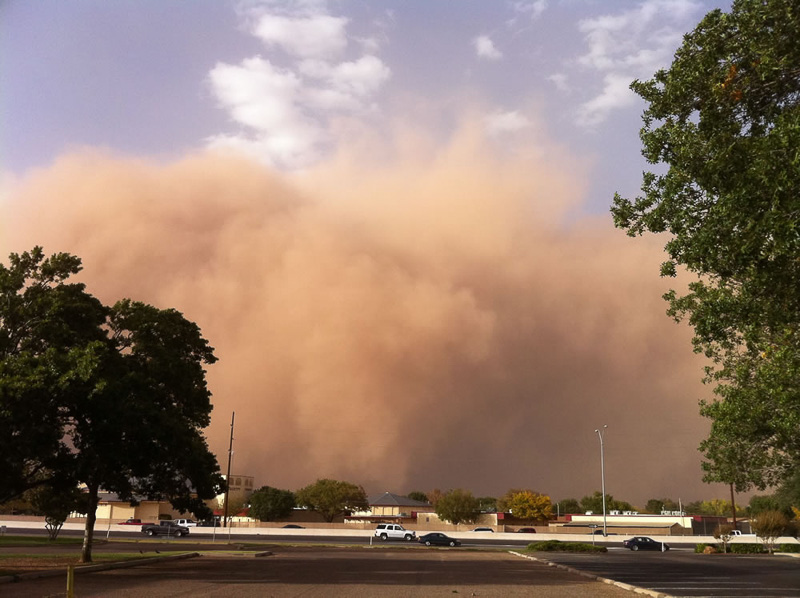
pixel 93 568
pixel 619 584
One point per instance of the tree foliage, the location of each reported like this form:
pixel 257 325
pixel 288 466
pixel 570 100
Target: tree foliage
pixel 332 497
pixel 417 495
pixel 594 503
pixel 725 120
pixel 768 526
pixel 656 505
pixel 527 505
pixel 108 397
pixel 458 506
pixel 568 505
pixel 271 504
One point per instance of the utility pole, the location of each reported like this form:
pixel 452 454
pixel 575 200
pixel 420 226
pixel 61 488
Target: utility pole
pixel 228 476
pixel 603 477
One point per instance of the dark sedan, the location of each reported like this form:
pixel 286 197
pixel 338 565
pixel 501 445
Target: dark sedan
pixel 645 543
pixel 438 539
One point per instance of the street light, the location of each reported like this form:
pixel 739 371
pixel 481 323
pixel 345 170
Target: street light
pixel 603 476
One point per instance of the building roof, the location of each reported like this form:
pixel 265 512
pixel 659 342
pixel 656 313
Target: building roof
pixel 387 499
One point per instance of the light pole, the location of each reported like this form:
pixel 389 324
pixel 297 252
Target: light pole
pixel 603 476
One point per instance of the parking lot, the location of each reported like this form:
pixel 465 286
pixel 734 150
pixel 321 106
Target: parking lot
pixel 332 573
pixel 683 573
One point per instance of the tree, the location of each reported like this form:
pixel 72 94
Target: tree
pixel 594 503
pixel 111 397
pixel 487 504
pixel 332 497
pixel 48 329
pixel 270 504
pixel 724 533
pixel 725 121
pixel 56 504
pixel 458 506
pixel 418 495
pixel 434 496
pixel 768 526
pixel 568 505
pixel 656 505
pixel 528 505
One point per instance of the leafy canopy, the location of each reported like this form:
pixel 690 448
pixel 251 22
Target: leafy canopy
pixel 332 497
pixel 725 121
pixel 457 506
pixel 527 505
pixel 107 397
pixel 270 504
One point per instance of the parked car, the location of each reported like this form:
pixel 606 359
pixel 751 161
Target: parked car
pixel 293 526
pixel 483 529
pixel 644 543
pixel 384 531
pixel 133 521
pixel 165 528
pixel 438 539
pixel 526 530
pixel 185 522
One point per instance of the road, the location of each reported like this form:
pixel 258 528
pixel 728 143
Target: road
pixel 683 573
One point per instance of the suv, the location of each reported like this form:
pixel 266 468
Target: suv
pixel 393 530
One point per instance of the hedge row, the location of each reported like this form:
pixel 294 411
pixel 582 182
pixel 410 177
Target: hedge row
pixel 558 546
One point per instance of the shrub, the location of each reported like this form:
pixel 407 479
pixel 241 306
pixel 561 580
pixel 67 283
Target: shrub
pixel 701 548
pixel 768 526
pixel 557 546
pixel 747 548
pixel 789 548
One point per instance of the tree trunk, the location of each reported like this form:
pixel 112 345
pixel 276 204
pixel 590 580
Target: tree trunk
pixel 91 518
pixel 733 507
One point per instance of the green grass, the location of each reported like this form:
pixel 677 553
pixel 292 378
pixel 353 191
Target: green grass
pixel 37 541
pixel 558 546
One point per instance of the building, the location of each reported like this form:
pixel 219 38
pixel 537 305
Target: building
pixel 673 523
pixel 239 491
pixel 391 508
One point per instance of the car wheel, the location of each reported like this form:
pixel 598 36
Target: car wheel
pixel 150 532
pixel 666 547
pixel 428 543
pixel 452 543
pixel 384 537
pixel 408 537
pixel 635 547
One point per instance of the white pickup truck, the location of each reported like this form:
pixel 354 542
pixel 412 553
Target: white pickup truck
pixel 384 531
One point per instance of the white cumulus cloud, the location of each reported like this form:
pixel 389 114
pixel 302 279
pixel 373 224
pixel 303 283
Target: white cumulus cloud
pixel 505 122
pixel 629 45
pixel 285 112
pixel 484 47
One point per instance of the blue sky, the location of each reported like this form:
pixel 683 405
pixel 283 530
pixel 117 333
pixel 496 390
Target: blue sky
pixel 389 218
pixel 163 78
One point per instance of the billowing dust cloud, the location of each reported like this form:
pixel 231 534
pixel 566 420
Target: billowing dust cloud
pixel 415 317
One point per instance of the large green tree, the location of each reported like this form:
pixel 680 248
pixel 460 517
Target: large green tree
pixel 269 504
pixel 724 121
pixel 458 506
pixel 332 497
pixel 106 397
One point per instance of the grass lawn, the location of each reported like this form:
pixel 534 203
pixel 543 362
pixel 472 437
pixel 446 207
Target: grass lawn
pixel 14 563
pixel 37 541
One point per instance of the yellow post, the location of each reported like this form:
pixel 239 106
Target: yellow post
pixel 71 581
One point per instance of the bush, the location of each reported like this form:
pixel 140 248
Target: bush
pixel 701 548
pixel 558 546
pixel 747 548
pixel 789 548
